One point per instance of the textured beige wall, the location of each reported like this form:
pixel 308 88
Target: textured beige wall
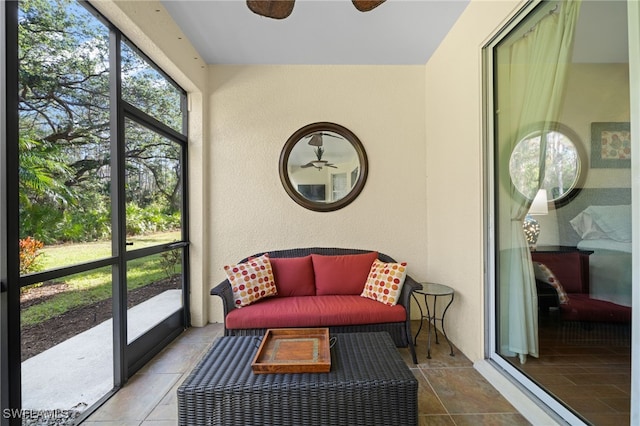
pixel 597 93
pixel 455 169
pixel 594 93
pixel 254 109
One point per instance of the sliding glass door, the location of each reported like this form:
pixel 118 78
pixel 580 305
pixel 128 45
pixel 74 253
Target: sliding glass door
pixel 562 184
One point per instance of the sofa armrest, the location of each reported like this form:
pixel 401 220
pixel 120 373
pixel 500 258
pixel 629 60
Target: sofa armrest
pixel 409 286
pixel 223 290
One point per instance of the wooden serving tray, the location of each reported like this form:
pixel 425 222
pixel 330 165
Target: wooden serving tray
pixel 293 350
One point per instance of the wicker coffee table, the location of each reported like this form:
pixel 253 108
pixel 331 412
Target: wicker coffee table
pixel 369 384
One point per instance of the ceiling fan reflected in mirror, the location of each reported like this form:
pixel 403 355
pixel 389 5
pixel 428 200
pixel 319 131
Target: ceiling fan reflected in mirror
pixel 319 163
pixel 316 138
pixel 280 9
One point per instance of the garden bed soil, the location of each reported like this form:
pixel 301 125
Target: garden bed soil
pixel 40 337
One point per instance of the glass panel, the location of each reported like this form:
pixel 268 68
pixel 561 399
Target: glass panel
pixel 582 261
pixel 67 345
pixel 148 90
pixel 153 188
pixel 64 132
pixel 154 291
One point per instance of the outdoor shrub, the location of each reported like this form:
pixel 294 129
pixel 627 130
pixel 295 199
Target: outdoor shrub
pixel 153 218
pixel 30 255
pixel 170 260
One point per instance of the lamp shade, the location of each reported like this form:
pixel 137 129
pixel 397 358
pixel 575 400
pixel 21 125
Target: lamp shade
pixel 539 204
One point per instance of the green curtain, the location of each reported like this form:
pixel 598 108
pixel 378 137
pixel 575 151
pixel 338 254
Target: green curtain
pixel 531 81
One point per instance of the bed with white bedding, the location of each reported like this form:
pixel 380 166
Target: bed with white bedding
pixel 600 220
pixel 609 270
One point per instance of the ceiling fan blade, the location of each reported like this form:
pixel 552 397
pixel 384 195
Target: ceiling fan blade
pixel 304 166
pixel 367 5
pixel 333 136
pixel 276 9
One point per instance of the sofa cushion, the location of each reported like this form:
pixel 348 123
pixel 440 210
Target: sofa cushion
pixel 385 281
pixel 251 281
pixel 313 311
pixel 294 276
pixel 583 308
pixel 344 274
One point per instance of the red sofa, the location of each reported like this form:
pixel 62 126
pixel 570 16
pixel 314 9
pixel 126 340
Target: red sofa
pixel 575 305
pixel 320 287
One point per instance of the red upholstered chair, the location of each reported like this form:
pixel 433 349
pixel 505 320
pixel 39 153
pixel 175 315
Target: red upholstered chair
pixel 577 306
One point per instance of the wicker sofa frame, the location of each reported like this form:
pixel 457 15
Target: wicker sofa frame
pixel 400 332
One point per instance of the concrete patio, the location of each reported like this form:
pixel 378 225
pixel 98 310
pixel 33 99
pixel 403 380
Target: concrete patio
pixel 79 371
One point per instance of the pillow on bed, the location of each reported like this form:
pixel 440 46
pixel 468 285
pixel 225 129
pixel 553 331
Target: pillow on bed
pixel 586 228
pixel 544 274
pixel 602 222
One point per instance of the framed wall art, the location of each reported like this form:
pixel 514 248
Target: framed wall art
pixel 610 145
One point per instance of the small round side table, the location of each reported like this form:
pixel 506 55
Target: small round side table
pixel 435 290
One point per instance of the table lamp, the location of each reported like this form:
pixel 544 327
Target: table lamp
pixel 531 226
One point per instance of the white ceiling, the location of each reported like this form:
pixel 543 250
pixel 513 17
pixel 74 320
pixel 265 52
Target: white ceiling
pixel 325 32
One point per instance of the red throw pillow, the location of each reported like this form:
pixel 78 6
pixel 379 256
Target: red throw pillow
pixel 344 274
pixel 294 276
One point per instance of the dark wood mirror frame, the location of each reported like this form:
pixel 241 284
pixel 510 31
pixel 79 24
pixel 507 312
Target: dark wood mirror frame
pixel 296 138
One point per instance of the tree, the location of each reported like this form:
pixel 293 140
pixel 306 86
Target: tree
pixel 65 154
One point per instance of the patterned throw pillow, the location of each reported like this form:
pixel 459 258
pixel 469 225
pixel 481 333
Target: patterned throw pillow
pixel 384 282
pixel 251 281
pixel 544 274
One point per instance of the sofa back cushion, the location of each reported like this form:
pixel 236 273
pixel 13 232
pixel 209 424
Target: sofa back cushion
pixel 345 274
pixel 294 276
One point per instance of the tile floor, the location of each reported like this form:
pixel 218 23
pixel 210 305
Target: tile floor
pixel 451 391
pixel 588 367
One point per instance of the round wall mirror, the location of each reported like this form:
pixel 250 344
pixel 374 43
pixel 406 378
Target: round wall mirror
pixel 565 169
pixel 323 166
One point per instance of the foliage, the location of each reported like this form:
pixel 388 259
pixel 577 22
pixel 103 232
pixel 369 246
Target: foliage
pixel 170 260
pixel 65 145
pixel 30 255
pixel 65 141
pixel 151 219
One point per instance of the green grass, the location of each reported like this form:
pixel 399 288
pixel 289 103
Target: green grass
pixel 71 254
pixel 93 286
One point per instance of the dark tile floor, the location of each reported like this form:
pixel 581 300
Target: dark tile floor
pixel 451 391
pixel 587 366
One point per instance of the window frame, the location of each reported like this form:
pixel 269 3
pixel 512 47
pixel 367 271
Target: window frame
pixel 125 362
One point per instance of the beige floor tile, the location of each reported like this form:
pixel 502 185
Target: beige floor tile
pixel 205 334
pixel 167 409
pixel 137 398
pixel 111 423
pixel 435 420
pixel 176 358
pixel 464 390
pixel 428 402
pixel 511 419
